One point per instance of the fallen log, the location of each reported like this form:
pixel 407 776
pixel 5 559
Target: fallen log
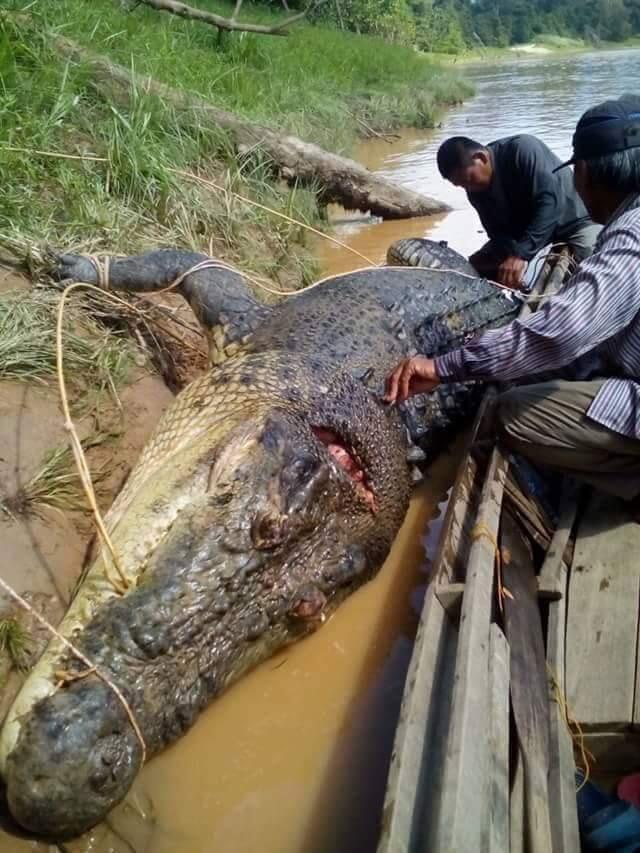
pixel 193 14
pixel 335 179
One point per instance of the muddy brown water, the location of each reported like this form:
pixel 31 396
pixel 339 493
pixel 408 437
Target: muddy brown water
pixel 293 759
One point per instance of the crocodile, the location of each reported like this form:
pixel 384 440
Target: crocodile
pixel 421 252
pixel 271 488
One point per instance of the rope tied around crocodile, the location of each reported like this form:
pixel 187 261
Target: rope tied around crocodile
pixel 92 669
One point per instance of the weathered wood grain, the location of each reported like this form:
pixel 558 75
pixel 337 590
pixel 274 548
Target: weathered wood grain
pixel 418 754
pixel 499 745
pixel 463 820
pixel 552 580
pixel 528 681
pixel 562 787
pixel 516 807
pixel 602 622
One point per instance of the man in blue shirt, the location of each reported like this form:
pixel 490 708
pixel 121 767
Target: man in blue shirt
pixel 522 202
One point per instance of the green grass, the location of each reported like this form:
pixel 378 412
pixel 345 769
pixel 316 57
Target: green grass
pixel 55 485
pixel 556 42
pixel 15 643
pixel 317 82
pixel 308 82
pixel 94 357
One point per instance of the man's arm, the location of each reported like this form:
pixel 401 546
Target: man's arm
pixel 601 299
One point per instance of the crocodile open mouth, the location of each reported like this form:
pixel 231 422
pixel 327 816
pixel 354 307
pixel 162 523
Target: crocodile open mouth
pixel 347 459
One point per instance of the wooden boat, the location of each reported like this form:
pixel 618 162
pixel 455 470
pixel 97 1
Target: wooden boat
pixel 526 625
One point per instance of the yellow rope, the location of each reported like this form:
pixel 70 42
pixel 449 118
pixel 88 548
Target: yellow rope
pixel 55 154
pixel 481 531
pixel 102 271
pixel 90 665
pixel 122 584
pixel 193 177
pixel 501 589
pixel 208 183
pixel 573 726
pixel 104 283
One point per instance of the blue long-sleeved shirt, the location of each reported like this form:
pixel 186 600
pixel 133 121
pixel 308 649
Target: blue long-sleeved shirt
pixel 596 312
pixel 527 205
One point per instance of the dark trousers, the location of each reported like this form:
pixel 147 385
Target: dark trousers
pixel 548 424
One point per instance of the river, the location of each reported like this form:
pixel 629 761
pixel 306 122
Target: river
pixel 293 759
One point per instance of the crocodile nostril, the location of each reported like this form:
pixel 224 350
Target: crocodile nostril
pixel 267 531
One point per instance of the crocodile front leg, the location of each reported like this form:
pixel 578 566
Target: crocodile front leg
pixel 219 297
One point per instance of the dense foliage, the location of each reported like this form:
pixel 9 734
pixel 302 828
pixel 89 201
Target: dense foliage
pixel 451 25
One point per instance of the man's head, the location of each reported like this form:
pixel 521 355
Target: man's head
pixel 465 163
pixel 606 154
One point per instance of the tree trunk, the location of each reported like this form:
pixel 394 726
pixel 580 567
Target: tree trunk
pixel 336 179
pixel 189 12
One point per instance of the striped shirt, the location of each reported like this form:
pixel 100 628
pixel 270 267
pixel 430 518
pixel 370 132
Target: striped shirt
pixel 593 320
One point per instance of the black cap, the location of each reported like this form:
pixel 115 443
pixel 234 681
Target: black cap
pixel 609 127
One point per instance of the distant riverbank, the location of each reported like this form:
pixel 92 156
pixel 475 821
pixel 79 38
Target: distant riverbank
pixel 544 45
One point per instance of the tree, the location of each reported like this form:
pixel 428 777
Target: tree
pixel 439 31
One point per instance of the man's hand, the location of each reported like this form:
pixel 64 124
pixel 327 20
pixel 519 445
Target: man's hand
pixel 415 375
pixel 511 271
pixel 484 261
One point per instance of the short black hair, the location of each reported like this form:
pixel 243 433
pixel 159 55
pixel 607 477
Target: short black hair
pixel 455 152
pixel 619 172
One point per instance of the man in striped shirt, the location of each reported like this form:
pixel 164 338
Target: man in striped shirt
pixel 589 424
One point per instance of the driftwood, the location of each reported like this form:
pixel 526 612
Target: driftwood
pixel 189 12
pixel 335 179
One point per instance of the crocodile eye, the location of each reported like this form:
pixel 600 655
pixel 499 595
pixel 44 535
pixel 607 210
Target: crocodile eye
pixel 303 467
pixel 302 483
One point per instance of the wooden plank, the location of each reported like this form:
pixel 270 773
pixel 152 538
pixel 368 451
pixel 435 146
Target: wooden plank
pixel 516 807
pixel 602 622
pixel 552 580
pixel 499 721
pixel 563 809
pixel 463 819
pixel 528 681
pixel 527 510
pixel 453 551
pixel 450 597
pixel 418 753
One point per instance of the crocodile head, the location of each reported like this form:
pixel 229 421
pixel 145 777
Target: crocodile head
pixel 271 489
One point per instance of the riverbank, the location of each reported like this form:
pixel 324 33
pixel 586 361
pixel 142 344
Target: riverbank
pixel 319 84
pixel 544 45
